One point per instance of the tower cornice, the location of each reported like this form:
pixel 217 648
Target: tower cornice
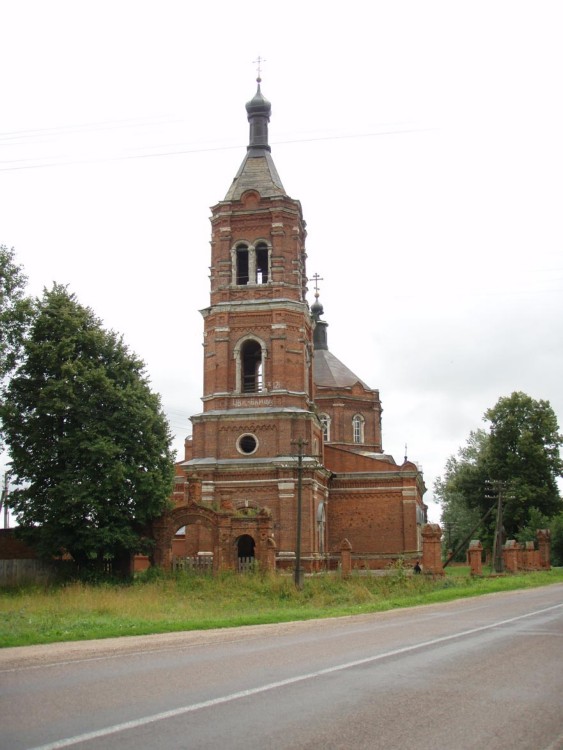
pixel 253 305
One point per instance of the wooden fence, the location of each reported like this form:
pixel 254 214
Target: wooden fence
pixel 17 572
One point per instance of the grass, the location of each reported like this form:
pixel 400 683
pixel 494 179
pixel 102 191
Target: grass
pixel 77 611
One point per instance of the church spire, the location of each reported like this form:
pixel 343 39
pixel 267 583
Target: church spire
pixel 319 332
pixel 257 171
pixel 259 110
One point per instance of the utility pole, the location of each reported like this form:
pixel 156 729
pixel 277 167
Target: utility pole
pixel 497 490
pixel 4 499
pixel 469 536
pixel 298 573
pixel 312 462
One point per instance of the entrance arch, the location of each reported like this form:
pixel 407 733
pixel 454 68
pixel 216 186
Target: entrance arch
pixel 245 547
pixel 232 538
pixel 191 517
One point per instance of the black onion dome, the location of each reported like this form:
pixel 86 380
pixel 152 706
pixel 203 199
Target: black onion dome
pixel 317 309
pixel 259 105
pixel 257 171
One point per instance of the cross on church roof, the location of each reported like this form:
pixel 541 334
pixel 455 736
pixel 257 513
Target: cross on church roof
pixel 316 279
pixel 258 62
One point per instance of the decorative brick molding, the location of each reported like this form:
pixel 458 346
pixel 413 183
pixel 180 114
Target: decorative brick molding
pixel 225 529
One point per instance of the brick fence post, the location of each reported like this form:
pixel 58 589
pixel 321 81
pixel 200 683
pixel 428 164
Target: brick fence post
pixel 544 545
pixel 432 549
pixel 510 555
pixel 346 558
pixel 529 556
pixel 475 555
pixel 520 557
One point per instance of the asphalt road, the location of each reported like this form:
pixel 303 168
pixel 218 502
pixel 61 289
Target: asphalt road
pixel 476 673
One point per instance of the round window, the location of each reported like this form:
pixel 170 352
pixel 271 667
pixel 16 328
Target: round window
pixel 247 444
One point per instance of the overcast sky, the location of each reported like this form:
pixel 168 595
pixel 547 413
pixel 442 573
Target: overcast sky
pixel 423 139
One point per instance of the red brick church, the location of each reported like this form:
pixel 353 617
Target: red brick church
pixel 287 429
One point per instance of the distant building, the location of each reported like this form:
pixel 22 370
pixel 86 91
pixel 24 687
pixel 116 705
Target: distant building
pixel 273 390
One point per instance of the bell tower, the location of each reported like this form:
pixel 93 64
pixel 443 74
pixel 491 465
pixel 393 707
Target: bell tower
pixel 286 463
pixel 258 353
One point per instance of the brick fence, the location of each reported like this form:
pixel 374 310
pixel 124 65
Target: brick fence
pixel 516 556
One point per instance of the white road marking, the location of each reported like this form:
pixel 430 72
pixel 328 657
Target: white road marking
pixel 136 723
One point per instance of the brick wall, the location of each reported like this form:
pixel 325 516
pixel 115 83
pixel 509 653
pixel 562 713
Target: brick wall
pixel 12 548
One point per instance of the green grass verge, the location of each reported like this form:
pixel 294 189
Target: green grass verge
pixel 72 612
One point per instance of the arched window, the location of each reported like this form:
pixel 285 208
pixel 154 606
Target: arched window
pixel 251 263
pixel 242 265
pixel 250 354
pixel 325 424
pixel 358 428
pixel 262 264
pixel 251 366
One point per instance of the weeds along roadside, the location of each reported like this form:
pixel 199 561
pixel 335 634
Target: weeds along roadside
pixel 165 603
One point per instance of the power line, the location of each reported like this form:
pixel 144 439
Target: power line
pixel 198 150
pixel 91 127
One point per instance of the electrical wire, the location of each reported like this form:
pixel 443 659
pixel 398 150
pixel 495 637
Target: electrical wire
pixel 11 165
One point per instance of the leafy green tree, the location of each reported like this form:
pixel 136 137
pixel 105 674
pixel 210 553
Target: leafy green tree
pixel 16 310
pixel 89 444
pixel 536 520
pixel 461 493
pixel 459 523
pixel 524 451
pixel 521 448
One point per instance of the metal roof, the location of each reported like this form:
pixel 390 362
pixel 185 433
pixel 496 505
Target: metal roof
pixel 257 172
pixel 330 372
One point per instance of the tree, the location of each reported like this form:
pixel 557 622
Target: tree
pixel 16 311
pixel 460 492
pixel 89 444
pixel 536 520
pixel 458 521
pixel 521 449
pixel 524 451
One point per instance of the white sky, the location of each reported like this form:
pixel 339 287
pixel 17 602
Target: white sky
pixel 423 139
